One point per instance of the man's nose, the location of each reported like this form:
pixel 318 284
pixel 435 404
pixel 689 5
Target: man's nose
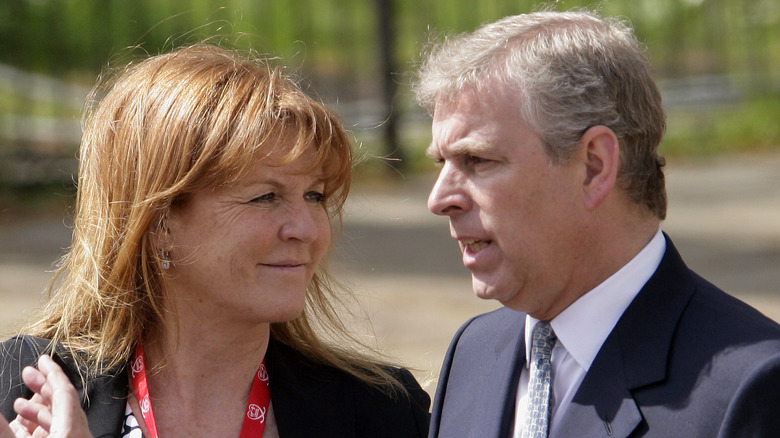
pixel 448 196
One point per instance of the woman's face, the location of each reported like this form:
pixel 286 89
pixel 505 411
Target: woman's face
pixel 245 254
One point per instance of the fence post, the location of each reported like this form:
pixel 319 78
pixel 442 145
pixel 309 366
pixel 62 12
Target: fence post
pixel 385 26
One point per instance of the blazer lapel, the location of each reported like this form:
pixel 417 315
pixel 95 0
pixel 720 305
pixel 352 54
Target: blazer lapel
pixel 603 406
pixel 479 378
pixel 508 359
pixel 635 354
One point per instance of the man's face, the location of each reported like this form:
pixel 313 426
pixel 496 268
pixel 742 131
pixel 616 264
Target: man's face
pixel 515 215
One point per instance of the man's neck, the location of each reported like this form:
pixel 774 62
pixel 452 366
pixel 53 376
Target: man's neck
pixel 610 247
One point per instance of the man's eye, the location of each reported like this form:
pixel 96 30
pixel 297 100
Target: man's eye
pixel 315 197
pixel 472 159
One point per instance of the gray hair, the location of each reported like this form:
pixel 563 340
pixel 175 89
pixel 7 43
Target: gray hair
pixel 569 71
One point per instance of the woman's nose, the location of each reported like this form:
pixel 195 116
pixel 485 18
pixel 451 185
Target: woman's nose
pixel 301 223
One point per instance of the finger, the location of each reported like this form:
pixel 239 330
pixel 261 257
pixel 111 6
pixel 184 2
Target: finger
pixel 48 366
pixel 48 372
pixel 21 423
pixel 36 381
pixel 32 415
pixel 40 433
pixel 56 379
pixel 68 418
pixel 55 408
pixel 47 379
pixel 57 382
pixel 19 431
pixel 28 411
pixel 36 411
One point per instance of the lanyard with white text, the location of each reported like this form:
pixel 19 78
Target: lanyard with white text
pixel 256 406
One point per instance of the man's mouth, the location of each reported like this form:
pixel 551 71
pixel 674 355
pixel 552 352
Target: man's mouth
pixel 475 245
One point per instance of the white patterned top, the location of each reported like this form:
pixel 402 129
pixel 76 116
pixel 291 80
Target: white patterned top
pixel 131 428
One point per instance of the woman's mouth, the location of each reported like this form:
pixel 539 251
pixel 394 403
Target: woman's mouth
pixel 283 265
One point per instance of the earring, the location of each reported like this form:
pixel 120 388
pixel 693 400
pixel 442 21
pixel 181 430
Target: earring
pixel 164 260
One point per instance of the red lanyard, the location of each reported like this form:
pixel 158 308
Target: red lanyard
pixel 256 406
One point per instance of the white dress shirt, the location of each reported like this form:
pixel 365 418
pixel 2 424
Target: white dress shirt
pixel 583 327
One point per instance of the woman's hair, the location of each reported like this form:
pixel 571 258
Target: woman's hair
pixel 568 71
pixel 196 118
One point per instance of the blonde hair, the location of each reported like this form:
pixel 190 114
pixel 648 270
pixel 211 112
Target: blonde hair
pixel 199 117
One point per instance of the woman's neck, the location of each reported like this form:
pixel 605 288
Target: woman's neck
pixel 200 377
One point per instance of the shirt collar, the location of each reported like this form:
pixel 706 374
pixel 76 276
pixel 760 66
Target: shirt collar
pixel 584 326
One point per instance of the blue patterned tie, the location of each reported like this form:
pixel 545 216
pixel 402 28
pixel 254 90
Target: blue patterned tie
pixel 540 401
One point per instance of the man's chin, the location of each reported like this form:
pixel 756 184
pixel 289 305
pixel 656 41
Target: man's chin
pixel 484 290
pixel 490 291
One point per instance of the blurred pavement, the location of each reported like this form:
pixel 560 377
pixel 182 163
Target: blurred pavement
pixel 724 217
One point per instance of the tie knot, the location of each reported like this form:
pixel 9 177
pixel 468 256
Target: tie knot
pixel 543 339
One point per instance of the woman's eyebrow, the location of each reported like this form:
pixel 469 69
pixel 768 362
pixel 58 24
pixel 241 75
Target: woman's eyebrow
pixel 279 182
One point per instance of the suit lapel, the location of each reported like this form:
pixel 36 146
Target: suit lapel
pixel 603 406
pixel 482 383
pixel 508 360
pixel 480 378
pixel 635 354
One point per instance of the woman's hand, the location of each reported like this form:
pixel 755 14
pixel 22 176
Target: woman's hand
pixel 53 411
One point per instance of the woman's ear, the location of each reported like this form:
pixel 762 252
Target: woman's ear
pixel 162 234
pixel 163 241
pixel 601 150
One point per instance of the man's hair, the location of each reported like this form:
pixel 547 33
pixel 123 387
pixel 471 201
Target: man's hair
pixel 569 71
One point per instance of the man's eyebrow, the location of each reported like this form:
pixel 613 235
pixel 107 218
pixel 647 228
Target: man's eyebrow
pixel 459 148
pixel 431 151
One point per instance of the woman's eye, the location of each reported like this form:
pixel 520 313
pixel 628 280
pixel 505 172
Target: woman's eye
pixel 315 197
pixel 268 197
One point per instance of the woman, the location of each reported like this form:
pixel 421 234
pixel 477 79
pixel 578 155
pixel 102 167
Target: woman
pixel 196 288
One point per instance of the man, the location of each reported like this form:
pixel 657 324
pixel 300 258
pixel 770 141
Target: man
pixel 546 126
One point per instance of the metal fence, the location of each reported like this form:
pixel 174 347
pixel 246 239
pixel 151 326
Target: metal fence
pixel 355 53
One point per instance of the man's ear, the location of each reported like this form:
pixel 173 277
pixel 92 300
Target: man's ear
pixel 601 150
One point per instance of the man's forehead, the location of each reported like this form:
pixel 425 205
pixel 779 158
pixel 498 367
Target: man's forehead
pixel 453 121
pixel 467 100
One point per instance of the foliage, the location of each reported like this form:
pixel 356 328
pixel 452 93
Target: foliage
pixel 333 44
pixel 748 125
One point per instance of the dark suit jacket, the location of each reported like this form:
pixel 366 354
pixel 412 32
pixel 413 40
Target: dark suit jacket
pixel 309 399
pixel 684 360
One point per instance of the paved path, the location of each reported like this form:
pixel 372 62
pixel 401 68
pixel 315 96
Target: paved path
pixel 724 215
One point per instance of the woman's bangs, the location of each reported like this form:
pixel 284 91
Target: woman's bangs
pixel 316 127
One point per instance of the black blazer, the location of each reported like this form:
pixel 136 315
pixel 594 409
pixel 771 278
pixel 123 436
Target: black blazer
pixel 684 360
pixel 309 399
